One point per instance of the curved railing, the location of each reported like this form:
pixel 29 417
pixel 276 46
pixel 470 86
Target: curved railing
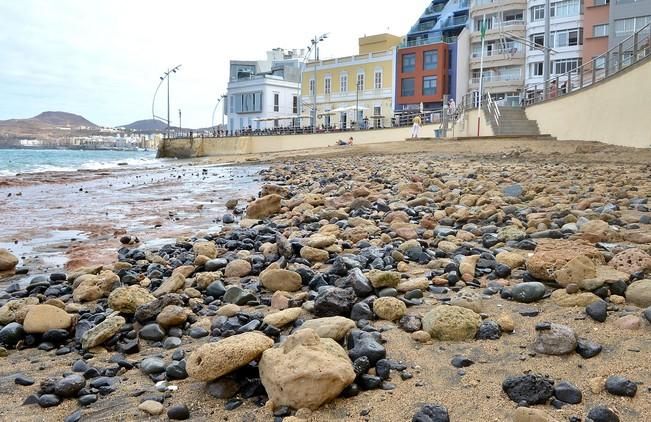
pixel 632 50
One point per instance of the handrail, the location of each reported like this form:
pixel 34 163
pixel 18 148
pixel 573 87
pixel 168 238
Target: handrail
pixel 493 108
pixel 631 50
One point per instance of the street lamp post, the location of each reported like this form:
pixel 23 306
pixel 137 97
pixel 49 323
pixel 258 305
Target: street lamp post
pixel 180 125
pixel 166 76
pixel 315 42
pixel 357 103
pixel 214 110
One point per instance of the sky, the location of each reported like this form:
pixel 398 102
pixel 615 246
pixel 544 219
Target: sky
pixel 103 59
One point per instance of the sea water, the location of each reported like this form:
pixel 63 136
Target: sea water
pixel 14 161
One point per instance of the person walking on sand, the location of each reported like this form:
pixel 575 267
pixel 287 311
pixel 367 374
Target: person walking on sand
pixel 416 127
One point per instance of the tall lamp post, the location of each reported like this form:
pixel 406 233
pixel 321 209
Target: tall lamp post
pixel 214 110
pixel 357 103
pixel 166 76
pixel 180 125
pixel 315 43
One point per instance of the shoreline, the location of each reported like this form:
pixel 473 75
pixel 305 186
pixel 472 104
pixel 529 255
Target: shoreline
pixel 419 210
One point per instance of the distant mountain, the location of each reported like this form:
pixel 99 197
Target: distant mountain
pixel 149 125
pixel 47 125
pixel 63 119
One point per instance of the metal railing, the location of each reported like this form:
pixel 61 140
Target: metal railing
pixel 507 77
pixel 456 21
pixel 493 108
pixel 430 40
pixel 633 49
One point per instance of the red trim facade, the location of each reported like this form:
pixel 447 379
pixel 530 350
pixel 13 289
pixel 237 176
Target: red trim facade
pixel 419 73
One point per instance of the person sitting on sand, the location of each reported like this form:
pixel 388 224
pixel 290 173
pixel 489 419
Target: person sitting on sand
pixel 350 141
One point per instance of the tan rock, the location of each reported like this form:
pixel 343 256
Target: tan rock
pixel 631 261
pixel 281 318
pixel 264 207
pixel 552 254
pixel 617 299
pixel 205 248
pixel 306 371
pixel 380 279
pixel 596 231
pixel 185 270
pixel 172 316
pixel 280 300
pixel 314 254
pixel 213 360
pixel 531 414
pixel 336 327
pixel 597 385
pixel 278 279
pixel 127 299
pixel 506 323
pixel 605 275
pixel 447 246
pixel 575 271
pixel 321 241
pixel 511 259
pixel 451 323
pixel 102 332
pixel 562 298
pixel 389 308
pixel 237 268
pixel 639 293
pixel 151 407
pixel 8 262
pixel 8 310
pixel 174 283
pixel 203 280
pixel 421 283
pixel 421 336
pixel 402 267
pixel 468 264
pixel 41 318
pixel 628 322
pixel 228 310
pixel 91 287
pixel 55 302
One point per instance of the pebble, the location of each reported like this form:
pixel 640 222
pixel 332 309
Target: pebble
pixel 567 392
pixel 178 412
pixel 597 310
pixel 431 413
pixel 151 407
pixel 530 389
pixel 620 386
pixel 602 414
pixel 21 379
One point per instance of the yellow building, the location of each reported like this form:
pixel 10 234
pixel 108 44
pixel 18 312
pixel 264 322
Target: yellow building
pixel 337 99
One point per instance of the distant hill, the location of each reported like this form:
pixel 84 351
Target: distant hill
pixel 61 118
pixel 149 125
pixel 47 125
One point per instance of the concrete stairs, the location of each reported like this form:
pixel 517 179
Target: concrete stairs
pixel 513 121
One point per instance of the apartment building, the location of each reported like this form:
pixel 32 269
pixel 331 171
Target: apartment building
pixel 566 38
pixel 596 15
pixel 353 90
pixel 504 52
pixel 432 60
pixel 626 18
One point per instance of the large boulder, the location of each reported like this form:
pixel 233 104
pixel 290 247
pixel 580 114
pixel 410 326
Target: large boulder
pixel 306 371
pixel 41 318
pixel 551 255
pixel 335 327
pixel 102 332
pixel 127 299
pixel 284 280
pixel 631 261
pixel 213 360
pixel 90 287
pixel 9 310
pixel 264 207
pixel 639 293
pixel 451 323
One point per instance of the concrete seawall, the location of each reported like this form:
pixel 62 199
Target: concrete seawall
pixel 212 147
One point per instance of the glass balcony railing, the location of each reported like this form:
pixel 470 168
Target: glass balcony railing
pixel 464 4
pixel 422 27
pixel 508 77
pixel 435 9
pixel 425 41
pixel 456 21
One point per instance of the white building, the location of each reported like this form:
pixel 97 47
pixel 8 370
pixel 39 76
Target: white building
pixel 566 38
pixel 263 94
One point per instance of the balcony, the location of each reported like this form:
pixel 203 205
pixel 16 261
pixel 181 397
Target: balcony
pixel 423 27
pixel 456 21
pixel 434 10
pixel 432 39
pixel 495 79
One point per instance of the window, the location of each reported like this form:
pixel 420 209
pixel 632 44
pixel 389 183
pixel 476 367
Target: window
pixel 536 69
pixel 489 23
pixel 630 25
pixel 378 79
pixel 360 82
pixel 407 88
pixel 327 83
pixel 312 87
pixel 537 13
pixel 601 2
pixel 429 85
pixel 276 102
pixel 430 59
pixel 599 62
pixel 565 9
pixel 409 63
pixel 231 104
pixel 513 16
pixel 247 103
pixel 565 65
pixel 600 30
pixel 566 38
pixel 377 111
pixel 538 40
pixel 343 82
pixel 295 104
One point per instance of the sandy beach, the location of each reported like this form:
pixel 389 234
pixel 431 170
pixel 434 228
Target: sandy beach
pixel 419 211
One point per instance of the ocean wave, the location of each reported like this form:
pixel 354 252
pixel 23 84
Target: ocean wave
pixel 87 166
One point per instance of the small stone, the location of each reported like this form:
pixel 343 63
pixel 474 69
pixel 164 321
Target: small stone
pixel 557 340
pixel 151 407
pixel 152 366
pixel 178 412
pixel 102 332
pixel 283 280
pixel 421 336
pixel 431 413
pixel 49 400
pixel 602 414
pixel 21 379
pixel 587 349
pixel 489 330
pixel 223 388
pixel 506 323
pixel 228 310
pixel 461 362
pixel 639 293
pixel 389 308
pixel 531 389
pixel 568 393
pixel 628 322
pixel 620 386
pixel 597 310
pixel 69 386
pixel 380 279
pixel 335 327
pixel 528 292
pixel 451 323
pixel 281 318
pixel 152 332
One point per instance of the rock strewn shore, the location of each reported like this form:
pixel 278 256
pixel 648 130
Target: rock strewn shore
pixel 411 287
